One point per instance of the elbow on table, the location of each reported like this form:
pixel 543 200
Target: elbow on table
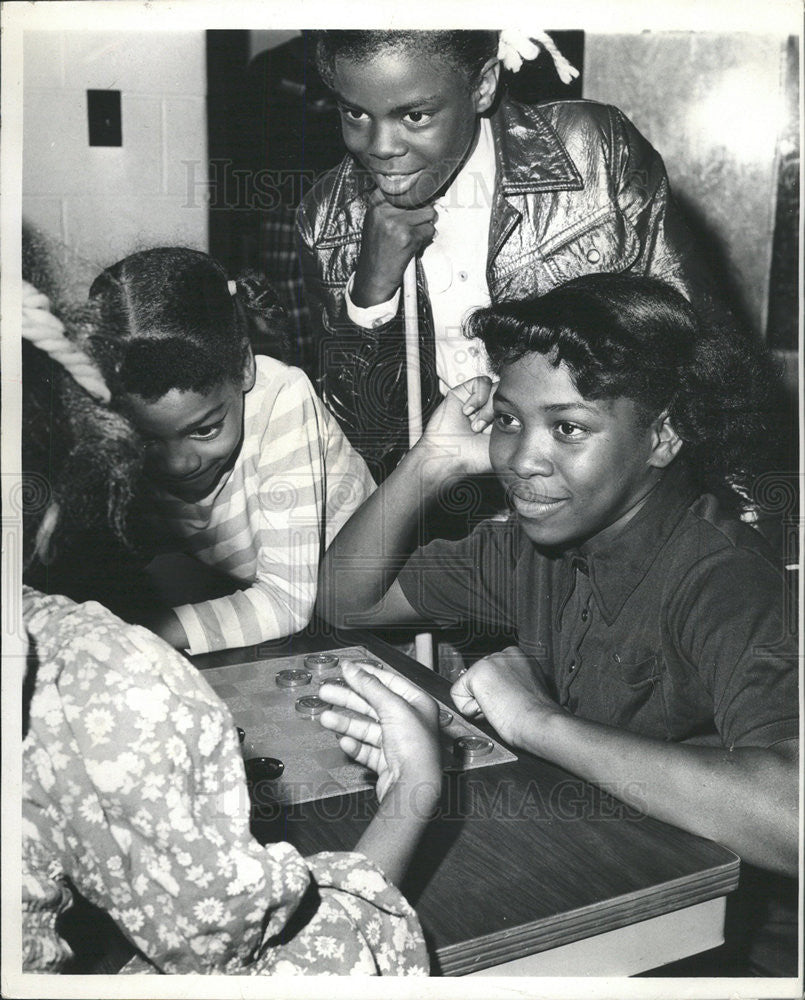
pixel 775 841
pixel 287 618
pixel 783 842
pixel 779 852
pixel 300 617
pixel 787 754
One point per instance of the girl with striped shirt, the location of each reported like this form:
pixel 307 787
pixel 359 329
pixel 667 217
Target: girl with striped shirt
pixel 245 471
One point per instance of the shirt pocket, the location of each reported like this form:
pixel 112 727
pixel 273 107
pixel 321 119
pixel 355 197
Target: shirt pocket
pixel 603 244
pixel 637 698
pixel 638 674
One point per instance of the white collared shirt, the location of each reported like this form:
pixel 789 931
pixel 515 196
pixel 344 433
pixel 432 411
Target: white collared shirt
pixel 455 268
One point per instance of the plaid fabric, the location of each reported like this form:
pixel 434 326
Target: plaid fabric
pixel 279 259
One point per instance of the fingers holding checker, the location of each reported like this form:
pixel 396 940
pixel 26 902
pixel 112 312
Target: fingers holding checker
pixel 395 729
pixel 361 734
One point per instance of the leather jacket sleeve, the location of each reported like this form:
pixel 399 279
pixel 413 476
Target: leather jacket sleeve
pixel 360 373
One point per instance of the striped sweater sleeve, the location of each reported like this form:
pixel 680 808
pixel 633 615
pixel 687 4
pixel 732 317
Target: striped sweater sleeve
pixel 309 480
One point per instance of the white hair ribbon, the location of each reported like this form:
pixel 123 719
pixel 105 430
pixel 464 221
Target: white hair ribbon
pixel 232 286
pixel 515 46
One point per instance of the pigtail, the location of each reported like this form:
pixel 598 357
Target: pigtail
pixel 88 455
pixel 104 463
pixel 266 322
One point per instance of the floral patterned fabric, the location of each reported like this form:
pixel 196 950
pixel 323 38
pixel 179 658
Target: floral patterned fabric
pixel 134 789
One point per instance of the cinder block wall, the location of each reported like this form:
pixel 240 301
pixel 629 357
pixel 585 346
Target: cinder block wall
pixel 713 105
pixel 101 203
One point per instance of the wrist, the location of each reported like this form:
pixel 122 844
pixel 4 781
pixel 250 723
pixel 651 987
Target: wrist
pixel 413 798
pixel 167 626
pixel 372 290
pixel 536 729
pixel 425 465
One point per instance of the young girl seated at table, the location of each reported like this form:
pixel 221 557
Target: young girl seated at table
pixel 246 472
pixel 133 795
pixel 653 656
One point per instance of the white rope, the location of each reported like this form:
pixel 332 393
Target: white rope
pixel 46 331
pixel 44 533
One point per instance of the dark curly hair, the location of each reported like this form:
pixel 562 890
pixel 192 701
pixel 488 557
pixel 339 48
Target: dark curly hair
pixel 158 320
pixel 467 51
pixel 166 319
pixel 81 461
pixel 637 337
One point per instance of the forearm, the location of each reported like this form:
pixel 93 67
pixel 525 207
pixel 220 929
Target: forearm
pixel 167 626
pixel 745 798
pixel 391 838
pixel 391 728
pixel 363 382
pixel 369 551
pixel 360 373
pixel 271 608
pixel 372 288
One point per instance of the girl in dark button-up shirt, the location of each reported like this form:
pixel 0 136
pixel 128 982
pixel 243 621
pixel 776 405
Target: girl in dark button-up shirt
pixel 649 617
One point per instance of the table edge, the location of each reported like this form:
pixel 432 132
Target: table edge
pixel 596 918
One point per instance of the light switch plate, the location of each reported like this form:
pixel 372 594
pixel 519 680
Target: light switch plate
pixel 103 114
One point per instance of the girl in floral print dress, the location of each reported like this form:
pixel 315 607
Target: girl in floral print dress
pixel 134 795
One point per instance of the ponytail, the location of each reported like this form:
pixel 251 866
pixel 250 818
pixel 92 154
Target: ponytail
pixel 266 322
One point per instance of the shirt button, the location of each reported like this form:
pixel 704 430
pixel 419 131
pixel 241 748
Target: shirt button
pixel 585 615
pixel 572 665
pixel 593 256
pixel 462 276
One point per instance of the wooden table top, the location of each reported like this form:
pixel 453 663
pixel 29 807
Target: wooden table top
pixel 520 857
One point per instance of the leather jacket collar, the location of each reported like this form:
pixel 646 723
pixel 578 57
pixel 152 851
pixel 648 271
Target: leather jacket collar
pixel 529 155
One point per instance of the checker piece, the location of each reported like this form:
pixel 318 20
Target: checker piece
pixel 472 746
pixel 367 661
pixel 293 678
pixel 339 681
pixel 310 706
pixel 321 661
pixel 263 769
